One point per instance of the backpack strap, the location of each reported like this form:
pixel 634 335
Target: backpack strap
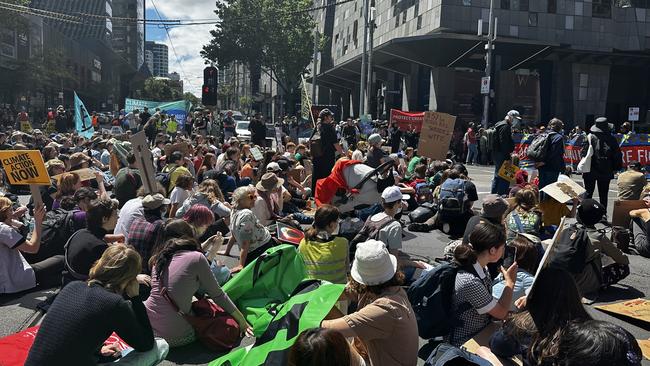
pixel 71 270
pixel 517 219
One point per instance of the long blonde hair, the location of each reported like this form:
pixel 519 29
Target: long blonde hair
pixel 119 265
pixel 5 208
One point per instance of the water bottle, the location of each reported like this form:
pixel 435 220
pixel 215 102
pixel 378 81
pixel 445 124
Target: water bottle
pixel 32 223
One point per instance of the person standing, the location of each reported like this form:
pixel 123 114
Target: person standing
pixel 395 138
pixel 258 131
pixel 144 117
pixel 228 126
pixel 605 161
pixel 60 121
pixel 324 164
pixel 553 165
pixel 350 133
pixel 472 145
pixel 503 146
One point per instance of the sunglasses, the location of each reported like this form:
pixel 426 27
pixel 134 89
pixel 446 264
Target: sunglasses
pixel 252 196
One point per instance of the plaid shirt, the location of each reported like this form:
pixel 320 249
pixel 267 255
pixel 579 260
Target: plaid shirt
pixel 142 236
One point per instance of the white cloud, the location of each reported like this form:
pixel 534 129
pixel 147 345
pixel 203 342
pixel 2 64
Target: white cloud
pixel 187 40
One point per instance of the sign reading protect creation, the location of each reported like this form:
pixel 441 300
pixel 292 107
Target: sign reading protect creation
pixel 24 167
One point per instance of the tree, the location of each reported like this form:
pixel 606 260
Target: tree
pixel 192 99
pixel 10 19
pixel 275 35
pixel 159 91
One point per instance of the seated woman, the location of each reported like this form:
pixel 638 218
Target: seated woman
pixel 326 255
pixel 15 273
pixel 323 347
pixel 527 258
pixel 86 246
pixel 531 332
pixel 68 185
pixel 384 323
pixel 473 303
pixel 525 217
pixel 209 195
pixel 269 202
pixel 84 315
pixel 253 237
pixel 182 269
pixel 200 218
pixel 180 193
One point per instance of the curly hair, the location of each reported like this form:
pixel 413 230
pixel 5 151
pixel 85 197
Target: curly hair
pixel 397 280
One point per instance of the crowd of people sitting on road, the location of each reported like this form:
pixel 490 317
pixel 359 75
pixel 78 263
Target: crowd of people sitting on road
pixel 132 251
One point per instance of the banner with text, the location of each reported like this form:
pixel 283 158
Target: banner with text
pixel 407 121
pixel 179 108
pixel 436 135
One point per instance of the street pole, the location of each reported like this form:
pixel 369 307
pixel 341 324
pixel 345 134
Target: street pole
pixel 315 71
pixel 488 64
pixel 364 60
pixel 371 25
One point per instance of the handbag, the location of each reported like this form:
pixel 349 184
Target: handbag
pixel 215 328
pixel 584 166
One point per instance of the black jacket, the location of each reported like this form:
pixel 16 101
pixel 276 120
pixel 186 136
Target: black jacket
pixel 79 321
pixel 607 158
pixel 555 157
pixel 504 140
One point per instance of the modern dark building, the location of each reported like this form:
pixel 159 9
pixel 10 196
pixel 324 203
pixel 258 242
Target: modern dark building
pixel 128 37
pixel 572 59
pixel 160 58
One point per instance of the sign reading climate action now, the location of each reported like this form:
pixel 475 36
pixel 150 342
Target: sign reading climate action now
pixel 24 167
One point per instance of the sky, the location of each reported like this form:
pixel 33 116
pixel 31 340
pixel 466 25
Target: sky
pixel 187 40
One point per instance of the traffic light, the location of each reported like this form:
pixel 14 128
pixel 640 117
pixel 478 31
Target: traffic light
pixel 209 90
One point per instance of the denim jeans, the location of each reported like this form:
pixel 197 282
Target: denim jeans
pixel 472 154
pixel 499 185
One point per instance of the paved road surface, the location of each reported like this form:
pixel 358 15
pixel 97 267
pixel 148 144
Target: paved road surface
pixel 17 312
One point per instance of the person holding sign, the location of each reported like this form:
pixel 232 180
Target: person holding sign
pixel 15 273
pixel 502 147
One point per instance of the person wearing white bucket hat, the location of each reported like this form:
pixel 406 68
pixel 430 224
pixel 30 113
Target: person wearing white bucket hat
pixel 384 322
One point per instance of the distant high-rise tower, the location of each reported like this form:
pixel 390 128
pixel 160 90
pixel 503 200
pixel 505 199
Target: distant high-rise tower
pixel 128 36
pixel 160 58
pixel 93 12
pixel 148 60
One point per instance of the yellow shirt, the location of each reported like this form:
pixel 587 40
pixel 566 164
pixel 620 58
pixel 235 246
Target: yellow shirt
pixel 172 126
pixel 175 174
pixel 326 260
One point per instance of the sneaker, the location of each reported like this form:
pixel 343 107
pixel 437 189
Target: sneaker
pixel 446 228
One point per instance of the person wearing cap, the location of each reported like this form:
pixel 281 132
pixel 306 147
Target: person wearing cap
pixel 553 165
pixel 388 230
pixel 493 208
pixel 143 231
pixel 384 321
pixel 503 146
pixel 252 237
pixel 606 159
pixel 324 164
pixel 87 245
pixel 615 265
pixel 631 182
pixel 376 156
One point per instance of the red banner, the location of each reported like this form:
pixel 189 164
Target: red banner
pixel 407 121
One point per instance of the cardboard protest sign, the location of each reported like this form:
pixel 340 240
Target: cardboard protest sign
pixel 436 135
pixel 483 340
pixel 183 147
pixel 25 127
pixel 550 251
pixel 24 167
pixel 144 161
pixel 645 347
pixel 84 174
pixel 621 215
pixel 508 171
pixel 257 154
pixel 564 190
pixel 638 309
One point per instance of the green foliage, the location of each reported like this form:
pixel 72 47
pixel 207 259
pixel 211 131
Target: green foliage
pixel 159 91
pixel 11 19
pixel 191 98
pixel 267 33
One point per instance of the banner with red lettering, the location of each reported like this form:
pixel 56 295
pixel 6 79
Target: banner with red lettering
pixel 407 121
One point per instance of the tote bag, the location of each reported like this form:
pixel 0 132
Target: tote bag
pixel 584 166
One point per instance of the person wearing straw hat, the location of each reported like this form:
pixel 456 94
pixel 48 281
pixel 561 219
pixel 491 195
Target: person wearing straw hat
pixel 385 321
pixel 268 204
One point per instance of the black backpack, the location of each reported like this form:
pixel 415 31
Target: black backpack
pixel 574 251
pixel 316 145
pixel 164 178
pixel 452 198
pixel 538 149
pixel 431 299
pixel 58 226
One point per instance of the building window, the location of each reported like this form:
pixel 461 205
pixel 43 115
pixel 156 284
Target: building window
pixel 404 17
pixel 601 8
pixel 514 31
pixel 532 19
pixel 416 9
pixel 355 30
pixel 419 22
pixel 8 43
pixel 584 80
pixel 552 6
pixel 505 4
pixel 579 8
pixel 467 2
pixel 397 18
pixel 568 22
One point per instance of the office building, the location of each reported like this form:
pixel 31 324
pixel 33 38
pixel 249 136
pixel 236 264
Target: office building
pixel 572 59
pixel 160 58
pixel 128 37
pixel 148 60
